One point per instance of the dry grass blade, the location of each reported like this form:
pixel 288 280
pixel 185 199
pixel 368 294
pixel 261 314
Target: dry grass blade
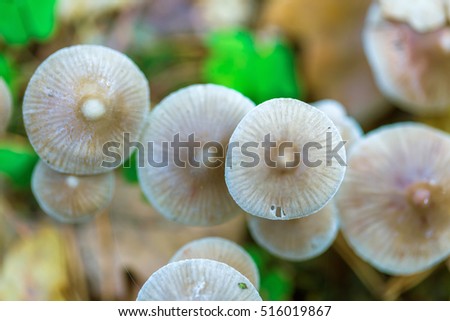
pixel 400 284
pixel 367 274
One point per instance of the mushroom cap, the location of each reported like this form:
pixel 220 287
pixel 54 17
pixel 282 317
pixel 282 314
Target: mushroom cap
pixel 299 239
pixel 69 198
pixel 191 194
pixel 5 106
pixel 295 181
pixel 412 69
pixel 79 99
pixel 198 280
pixel 421 15
pixel 348 127
pixel 394 203
pixel 222 250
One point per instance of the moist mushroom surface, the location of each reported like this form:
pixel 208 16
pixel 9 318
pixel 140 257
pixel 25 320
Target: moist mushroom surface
pixel 81 99
pixel 395 200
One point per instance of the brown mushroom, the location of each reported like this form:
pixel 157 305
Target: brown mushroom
pixel 71 198
pixel 288 170
pixel 394 202
pixel 189 187
pixel 80 99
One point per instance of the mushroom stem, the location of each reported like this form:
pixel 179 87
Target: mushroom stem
pixel 287 158
pixel 420 195
pixel 93 109
pixel 72 182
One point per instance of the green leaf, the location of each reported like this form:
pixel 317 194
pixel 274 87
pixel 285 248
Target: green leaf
pixel 259 69
pixel 38 17
pixel 129 170
pixel 22 20
pixel 17 162
pixel 277 285
pixel 12 27
pixel 261 257
pixel 5 69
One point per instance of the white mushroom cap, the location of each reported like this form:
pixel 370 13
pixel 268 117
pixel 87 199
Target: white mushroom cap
pixel 299 239
pixel 222 250
pixel 421 15
pixel 198 280
pixel 297 180
pixel 394 202
pixel 79 99
pixel 5 106
pixel 70 198
pixel 348 127
pixel 191 194
pixel 410 68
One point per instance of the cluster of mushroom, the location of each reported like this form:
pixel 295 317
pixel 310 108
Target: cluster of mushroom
pixel 407 43
pixel 200 187
pixel 208 269
pixel 79 99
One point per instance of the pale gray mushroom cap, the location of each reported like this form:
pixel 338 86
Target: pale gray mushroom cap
pixel 222 250
pixel 421 15
pixel 70 198
pixel 394 202
pixel 79 99
pixel 348 127
pixel 299 239
pixel 299 175
pixel 5 106
pixel 198 280
pixel 195 193
pixel 411 68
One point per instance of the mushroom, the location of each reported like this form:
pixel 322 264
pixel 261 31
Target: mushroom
pixel 222 250
pixel 348 127
pixel 198 280
pixel 298 239
pixel 290 161
pixel 79 100
pixel 411 66
pixel 189 187
pixel 5 106
pixel 394 202
pixel 71 198
pixel 421 15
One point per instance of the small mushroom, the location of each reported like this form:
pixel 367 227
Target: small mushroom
pixel 70 198
pixel 222 250
pixel 299 239
pixel 290 161
pixel 190 187
pixel 348 127
pixel 198 280
pixel 394 202
pixel 411 67
pixel 5 106
pixel 78 100
pixel 421 15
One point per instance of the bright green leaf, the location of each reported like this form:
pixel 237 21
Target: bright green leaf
pixel 5 69
pixel 277 285
pixel 12 28
pixel 129 170
pixel 17 162
pixel 260 69
pixel 22 20
pixel 38 17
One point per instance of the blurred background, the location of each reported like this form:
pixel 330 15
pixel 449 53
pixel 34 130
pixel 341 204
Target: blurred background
pixel 303 49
